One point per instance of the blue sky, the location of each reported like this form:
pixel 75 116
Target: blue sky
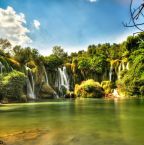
pixel 72 24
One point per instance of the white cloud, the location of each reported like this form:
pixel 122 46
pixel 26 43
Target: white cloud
pixel 92 1
pixel 36 24
pixel 12 27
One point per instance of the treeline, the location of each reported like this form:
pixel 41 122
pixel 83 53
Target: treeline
pixel 94 63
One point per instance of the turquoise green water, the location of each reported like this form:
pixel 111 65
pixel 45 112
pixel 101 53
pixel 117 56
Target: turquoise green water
pixel 79 122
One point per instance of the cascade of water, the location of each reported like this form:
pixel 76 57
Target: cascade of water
pixel 30 92
pixel 47 82
pixel 1 68
pixel 127 66
pixel 32 81
pixel 115 93
pixel 63 78
pixel 123 66
pixel 46 76
pixel 11 68
pixel 110 73
pixel 30 84
pixel 119 70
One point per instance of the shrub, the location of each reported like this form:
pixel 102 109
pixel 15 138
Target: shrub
pixel 107 86
pixel 11 85
pixel 89 89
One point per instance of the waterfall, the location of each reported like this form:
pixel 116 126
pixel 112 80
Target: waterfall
pixel 63 78
pixel 127 66
pixel 115 93
pixel 47 82
pixel 1 68
pixel 119 70
pixel 110 73
pixel 46 76
pixel 30 92
pixel 123 66
pixel 11 68
pixel 30 83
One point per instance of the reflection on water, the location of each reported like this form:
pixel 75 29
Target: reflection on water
pixel 79 122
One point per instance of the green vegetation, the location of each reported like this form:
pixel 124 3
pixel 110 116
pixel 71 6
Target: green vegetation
pixel 132 80
pixel 52 62
pixel 12 86
pixel 89 89
pixel 118 66
pixel 107 86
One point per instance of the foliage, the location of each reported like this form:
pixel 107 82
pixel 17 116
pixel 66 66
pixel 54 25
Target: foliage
pixel 25 55
pixel 132 81
pixel 59 52
pixel 6 66
pixel 107 86
pixel 12 85
pixel 4 44
pixel 98 63
pixel 94 63
pixel 89 89
pixel 52 62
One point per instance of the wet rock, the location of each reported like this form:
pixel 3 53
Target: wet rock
pixel 46 92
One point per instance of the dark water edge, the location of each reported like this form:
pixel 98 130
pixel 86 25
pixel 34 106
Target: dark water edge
pixel 73 122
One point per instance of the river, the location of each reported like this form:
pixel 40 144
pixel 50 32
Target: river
pixel 73 122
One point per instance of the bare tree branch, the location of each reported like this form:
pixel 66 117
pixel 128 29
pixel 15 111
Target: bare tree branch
pixel 135 15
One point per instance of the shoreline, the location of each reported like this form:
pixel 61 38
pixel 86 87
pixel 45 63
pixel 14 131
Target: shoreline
pixel 52 101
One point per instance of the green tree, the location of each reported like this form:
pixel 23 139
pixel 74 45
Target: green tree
pixel 52 62
pixel 59 52
pixel 4 44
pixel 98 64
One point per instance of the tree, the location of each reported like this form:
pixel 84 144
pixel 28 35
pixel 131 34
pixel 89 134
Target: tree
pixel 4 44
pixel 135 16
pixel 98 64
pixel 52 62
pixel 25 55
pixel 59 52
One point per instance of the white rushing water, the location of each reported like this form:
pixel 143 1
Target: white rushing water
pixel 127 66
pixel 1 68
pixel 122 66
pixel 46 76
pixel 30 84
pixel 119 70
pixel 47 82
pixel 115 93
pixel 110 73
pixel 63 78
pixel 30 92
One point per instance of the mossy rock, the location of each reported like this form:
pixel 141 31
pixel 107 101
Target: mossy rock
pixel 47 92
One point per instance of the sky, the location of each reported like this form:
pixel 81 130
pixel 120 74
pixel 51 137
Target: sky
pixel 71 24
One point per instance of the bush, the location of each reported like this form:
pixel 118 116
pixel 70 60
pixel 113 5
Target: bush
pixel 107 86
pixel 89 89
pixel 12 85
